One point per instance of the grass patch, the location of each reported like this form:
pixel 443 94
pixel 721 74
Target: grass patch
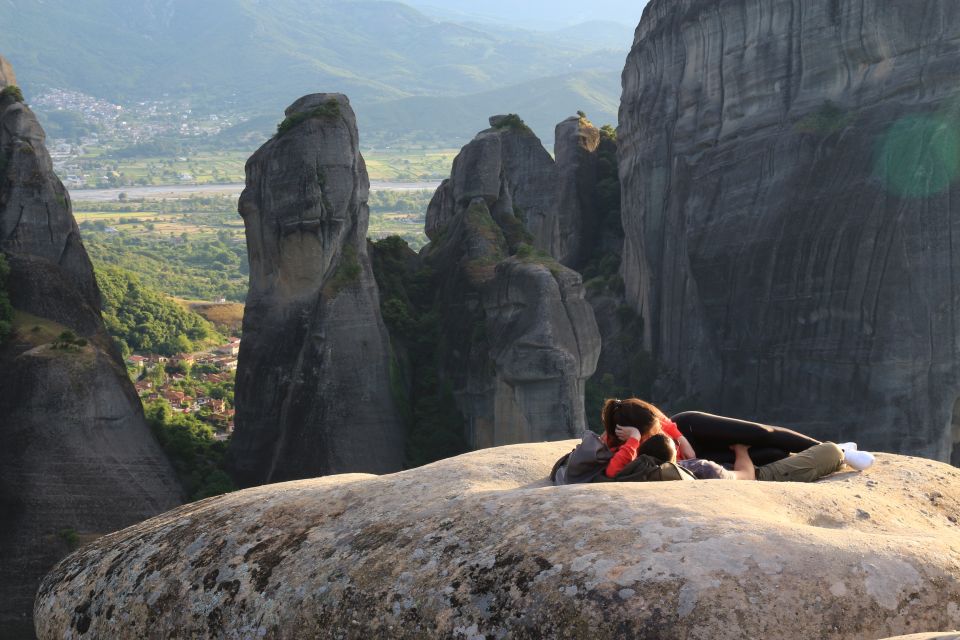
pixel 227 316
pixel 35 330
pixel 329 110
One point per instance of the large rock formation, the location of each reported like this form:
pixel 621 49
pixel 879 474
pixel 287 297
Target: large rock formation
pixel 78 459
pixel 480 546
pixel 520 340
pixel 790 200
pixel 507 167
pixel 313 385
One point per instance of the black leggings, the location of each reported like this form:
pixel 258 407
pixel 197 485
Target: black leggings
pixel 711 437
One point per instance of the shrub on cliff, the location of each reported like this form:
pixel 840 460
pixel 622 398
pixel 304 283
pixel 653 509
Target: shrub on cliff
pixel 13 91
pixel 514 122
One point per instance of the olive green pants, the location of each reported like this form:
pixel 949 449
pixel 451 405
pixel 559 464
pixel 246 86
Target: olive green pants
pixel 806 466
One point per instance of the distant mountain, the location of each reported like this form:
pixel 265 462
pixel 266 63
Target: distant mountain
pixel 452 120
pixel 407 74
pixel 264 54
pixel 536 14
pixel 541 103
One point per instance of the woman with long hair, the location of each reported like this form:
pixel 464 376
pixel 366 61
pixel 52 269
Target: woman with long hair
pixel 628 423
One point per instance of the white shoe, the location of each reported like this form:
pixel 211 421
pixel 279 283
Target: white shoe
pixel 848 446
pixel 859 460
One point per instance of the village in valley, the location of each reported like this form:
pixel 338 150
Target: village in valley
pixel 200 383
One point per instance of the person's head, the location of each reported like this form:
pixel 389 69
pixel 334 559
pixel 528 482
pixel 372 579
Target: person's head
pixel 660 446
pixel 631 412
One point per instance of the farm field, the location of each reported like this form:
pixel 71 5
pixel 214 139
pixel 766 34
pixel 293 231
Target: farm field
pixel 97 169
pixel 195 249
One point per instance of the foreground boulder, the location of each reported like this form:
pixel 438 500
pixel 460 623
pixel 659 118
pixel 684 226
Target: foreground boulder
pixel 480 546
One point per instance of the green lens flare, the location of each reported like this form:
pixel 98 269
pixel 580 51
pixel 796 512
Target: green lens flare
pixel 919 156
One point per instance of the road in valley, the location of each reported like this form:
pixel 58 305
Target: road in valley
pixel 189 190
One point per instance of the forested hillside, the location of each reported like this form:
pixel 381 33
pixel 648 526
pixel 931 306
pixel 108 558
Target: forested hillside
pixel 142 319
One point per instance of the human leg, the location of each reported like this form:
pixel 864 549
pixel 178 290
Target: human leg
pixel 715 433
pixel 806 466
pixel 760 455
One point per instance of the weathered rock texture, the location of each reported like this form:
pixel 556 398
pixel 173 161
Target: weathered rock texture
pixel 78 459
pixel 521 339
pixel 507 167
pixel 313 384
pixel 790 204
pixel 479 546
pixel 7 76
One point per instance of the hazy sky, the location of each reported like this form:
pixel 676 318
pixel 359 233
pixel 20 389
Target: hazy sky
pixel 545 14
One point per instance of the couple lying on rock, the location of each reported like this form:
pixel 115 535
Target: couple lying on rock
pixel 642 444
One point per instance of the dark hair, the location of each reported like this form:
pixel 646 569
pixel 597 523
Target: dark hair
pixel 660 446
pixel 631 412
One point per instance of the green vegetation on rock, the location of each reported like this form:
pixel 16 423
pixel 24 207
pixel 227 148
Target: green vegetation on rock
pixel 513 122
pixel 347 274
pixel 145 320
pixel 12 91
pixel 435 426
pixel 329 109
pixel 197 456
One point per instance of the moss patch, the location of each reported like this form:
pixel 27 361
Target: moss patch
pixel 529 255
pixel 827 119
pixel 347 273
pixel 329 110
pixel 12 91
pixel 513 122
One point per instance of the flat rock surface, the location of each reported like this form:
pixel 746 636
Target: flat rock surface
pixel 481 546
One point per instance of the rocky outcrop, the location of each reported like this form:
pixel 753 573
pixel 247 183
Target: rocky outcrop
pixel 78 459
pixel 789 177
pixel 507 167
pixel 313 384
pixel 7 76
pixel 578 217
pixel 519 339
pixel 480 546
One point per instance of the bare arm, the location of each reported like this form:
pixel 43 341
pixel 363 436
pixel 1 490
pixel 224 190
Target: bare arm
pixel 687 449
pixel 743 467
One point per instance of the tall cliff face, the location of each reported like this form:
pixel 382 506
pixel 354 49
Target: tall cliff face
pixel 313 383
pixel 78 458
pixel 520 339
pixel 790 206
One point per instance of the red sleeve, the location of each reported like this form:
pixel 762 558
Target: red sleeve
pixel 671 429
pixel 626 454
